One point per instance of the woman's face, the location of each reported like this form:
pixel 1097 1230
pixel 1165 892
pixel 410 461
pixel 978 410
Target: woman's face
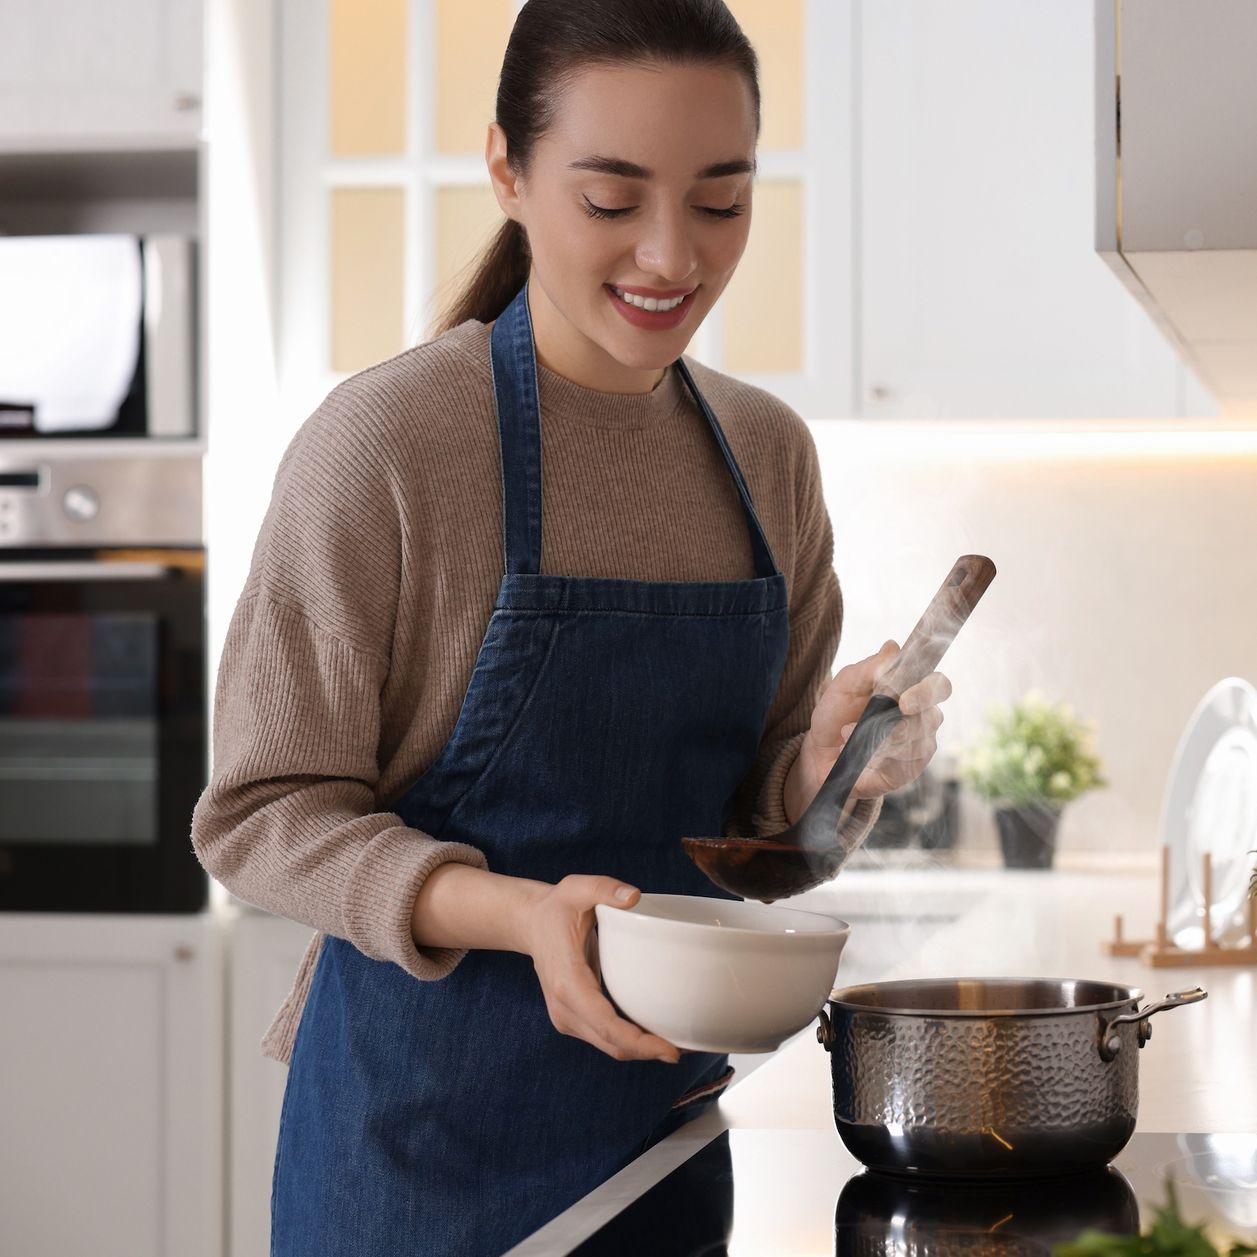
pixel 670 228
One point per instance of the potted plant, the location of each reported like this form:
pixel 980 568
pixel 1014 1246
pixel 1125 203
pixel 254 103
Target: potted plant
pixel 1033 758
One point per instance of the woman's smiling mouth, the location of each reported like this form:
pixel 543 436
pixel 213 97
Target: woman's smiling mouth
pixel 651 312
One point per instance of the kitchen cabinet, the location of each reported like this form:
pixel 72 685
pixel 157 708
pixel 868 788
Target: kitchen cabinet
pixel 979 289
pixel 112 1086
pixel 78 74
pixel 1182 234
pixel 265 952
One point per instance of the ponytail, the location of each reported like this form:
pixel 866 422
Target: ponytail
pixel 499 274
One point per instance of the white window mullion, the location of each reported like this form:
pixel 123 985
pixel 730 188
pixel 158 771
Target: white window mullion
pixel 421 196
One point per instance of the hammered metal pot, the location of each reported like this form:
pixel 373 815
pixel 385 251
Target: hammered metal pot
pixel 987 1077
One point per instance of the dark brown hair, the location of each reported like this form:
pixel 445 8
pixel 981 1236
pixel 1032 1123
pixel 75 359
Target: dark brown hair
pixel 551 42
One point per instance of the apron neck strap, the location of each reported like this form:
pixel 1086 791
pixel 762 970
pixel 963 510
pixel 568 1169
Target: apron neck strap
pixel 513 363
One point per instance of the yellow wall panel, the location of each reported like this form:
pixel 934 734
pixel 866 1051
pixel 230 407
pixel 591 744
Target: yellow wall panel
pixel 367 294
pixel 471 39
pixel 367 77
pixel 466 220
pixel 763 304
pixel 775 29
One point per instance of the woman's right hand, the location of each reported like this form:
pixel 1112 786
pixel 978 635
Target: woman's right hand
pixel 556 926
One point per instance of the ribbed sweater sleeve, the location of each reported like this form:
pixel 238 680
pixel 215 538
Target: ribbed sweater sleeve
pixel 289 820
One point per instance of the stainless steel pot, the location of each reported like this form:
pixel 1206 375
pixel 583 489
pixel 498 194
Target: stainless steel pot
pixel 987 1077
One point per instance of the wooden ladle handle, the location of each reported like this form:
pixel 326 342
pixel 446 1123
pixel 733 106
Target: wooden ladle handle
pixel 948 610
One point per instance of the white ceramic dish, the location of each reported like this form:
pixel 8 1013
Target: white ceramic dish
pixel 1211 805
pixel 718 975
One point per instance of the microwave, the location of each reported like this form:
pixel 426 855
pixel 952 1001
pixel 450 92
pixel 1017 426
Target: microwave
pixel 98 336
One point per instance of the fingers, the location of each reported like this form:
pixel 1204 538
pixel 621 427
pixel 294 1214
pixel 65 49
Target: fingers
pixel 884 659
pixel 910 731
pixel 912 739
pixel 910 746
pixel 584 1012
pixel 565 966
pixel 903 756
pixel 934 689
pixel 585 890
pixel 860 677
pixel 890 771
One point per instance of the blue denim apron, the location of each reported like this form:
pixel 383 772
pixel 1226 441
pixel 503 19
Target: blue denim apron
pixel 605 719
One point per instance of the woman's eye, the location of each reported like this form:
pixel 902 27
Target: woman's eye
pixel 598 211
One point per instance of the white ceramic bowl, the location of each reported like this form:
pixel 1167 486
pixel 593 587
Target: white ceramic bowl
pixel 718 975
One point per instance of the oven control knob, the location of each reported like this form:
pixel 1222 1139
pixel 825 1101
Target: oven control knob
pixel 81 502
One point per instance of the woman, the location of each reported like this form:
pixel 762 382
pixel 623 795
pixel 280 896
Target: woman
pixel 467 693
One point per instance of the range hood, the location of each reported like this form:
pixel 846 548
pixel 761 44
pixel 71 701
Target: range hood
pixel 1176 177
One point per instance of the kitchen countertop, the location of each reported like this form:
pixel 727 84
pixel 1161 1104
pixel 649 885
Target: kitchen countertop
pixel 1196 1073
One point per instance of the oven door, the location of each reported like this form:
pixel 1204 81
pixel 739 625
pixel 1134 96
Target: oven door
pixel 102 730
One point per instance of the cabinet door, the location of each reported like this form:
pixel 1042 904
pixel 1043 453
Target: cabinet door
pixel 980 289
pixel 81 73
pixel 266 953
pixel 111 1091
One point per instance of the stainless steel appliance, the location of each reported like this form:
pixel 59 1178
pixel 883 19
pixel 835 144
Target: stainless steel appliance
pixel 97 336
pixel 102 680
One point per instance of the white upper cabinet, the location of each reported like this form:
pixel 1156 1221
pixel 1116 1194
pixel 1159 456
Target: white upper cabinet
pixel 86 74
pixel 979 289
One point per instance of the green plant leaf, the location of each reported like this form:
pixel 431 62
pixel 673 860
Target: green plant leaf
pixel 1169 1236
pixel 1032 751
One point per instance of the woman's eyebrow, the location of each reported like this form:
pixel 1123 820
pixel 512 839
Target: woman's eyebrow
pixel 630 170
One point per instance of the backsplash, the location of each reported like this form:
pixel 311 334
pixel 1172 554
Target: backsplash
pixel 1127 584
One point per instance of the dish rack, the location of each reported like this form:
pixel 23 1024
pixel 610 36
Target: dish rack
pixel 1162 952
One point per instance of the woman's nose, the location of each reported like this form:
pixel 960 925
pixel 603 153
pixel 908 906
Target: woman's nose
pixel 667 248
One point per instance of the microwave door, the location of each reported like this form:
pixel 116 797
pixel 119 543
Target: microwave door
pixel 70 325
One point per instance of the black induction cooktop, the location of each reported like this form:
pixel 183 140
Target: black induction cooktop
pixel 799 1193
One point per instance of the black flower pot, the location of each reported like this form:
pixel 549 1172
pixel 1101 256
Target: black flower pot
pixel 1027 834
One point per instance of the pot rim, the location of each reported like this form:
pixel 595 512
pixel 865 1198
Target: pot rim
pixel 1134 995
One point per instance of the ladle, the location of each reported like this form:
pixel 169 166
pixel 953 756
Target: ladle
pixel 812 850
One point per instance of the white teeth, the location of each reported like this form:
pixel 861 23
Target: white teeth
pixel 647 303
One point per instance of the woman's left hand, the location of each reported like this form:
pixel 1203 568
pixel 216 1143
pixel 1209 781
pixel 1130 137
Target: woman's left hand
pixel 902 757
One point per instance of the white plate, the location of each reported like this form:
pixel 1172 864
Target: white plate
pixel 1211 805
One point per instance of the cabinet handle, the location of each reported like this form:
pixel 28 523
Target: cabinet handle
pixel 184 952
pixel 185 102
pixel 878 393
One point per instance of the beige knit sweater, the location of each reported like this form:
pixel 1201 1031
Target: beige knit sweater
pixel 374 575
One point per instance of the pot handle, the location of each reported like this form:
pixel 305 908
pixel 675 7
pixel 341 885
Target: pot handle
pixel 825 1032
pixel 1111 1044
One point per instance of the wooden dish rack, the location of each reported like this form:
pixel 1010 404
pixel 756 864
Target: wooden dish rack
pixel 1161 953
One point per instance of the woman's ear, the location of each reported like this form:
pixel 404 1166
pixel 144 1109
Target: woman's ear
pixel 504 180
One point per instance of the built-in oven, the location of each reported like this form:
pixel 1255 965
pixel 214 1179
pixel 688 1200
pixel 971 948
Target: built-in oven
pixel 102 683
pixel 98 337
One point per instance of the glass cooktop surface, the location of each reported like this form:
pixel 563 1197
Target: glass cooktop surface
pixel 800 1193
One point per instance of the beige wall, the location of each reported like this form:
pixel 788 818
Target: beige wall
pixel 1127 581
